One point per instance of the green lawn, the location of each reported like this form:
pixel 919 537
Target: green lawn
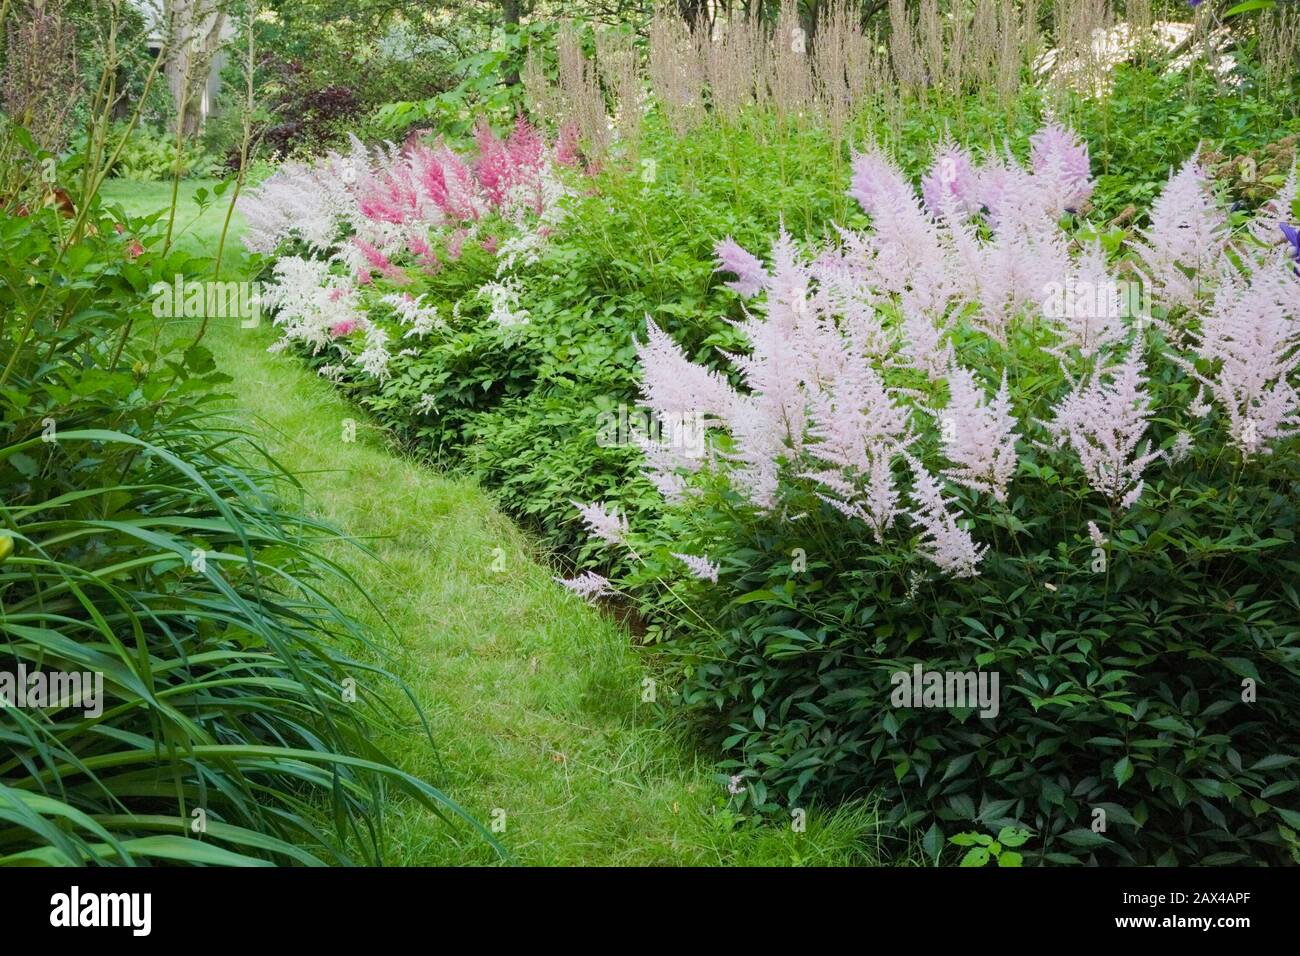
pixel 533 698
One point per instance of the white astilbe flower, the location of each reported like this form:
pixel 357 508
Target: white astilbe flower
pixel 588 585
pixel 606 525
pixel 700 567
pixel 1098 539
pixel 314 203
pixel 943 541
pixel 375 357
pixel 978 434
pixel 1103 419
pixel 504 297
pixel 1188 231
pixel 311 305
pixel 411 311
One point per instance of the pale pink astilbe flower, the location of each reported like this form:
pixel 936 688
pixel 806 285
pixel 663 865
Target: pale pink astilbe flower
pixel 1277 211
pixel 1059 158
pixel 1104 419
pixel 795 348
pixel 1098 539
pixel 871 496
pixel 1250 338
pixel 925 343
pixel 978 434
pixel 1188 232
pixel 676 389
pixel 588 585
pixel 1181 448
pixel 1015 199
pixel 731 256
pixel 856 426
pixel 608 526
pixel 1010 272
pixel 1086 312
pixel 673 385
pixel 902 251
pixel 950 187
pixel 943 541
pixel 700 567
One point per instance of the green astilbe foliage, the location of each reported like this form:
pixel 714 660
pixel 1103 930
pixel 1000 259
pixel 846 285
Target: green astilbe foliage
pixel 149 540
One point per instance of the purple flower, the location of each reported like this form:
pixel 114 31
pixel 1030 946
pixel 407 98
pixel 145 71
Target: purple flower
pixel 1292 236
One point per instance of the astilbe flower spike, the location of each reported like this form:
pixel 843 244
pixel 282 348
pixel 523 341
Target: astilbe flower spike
pixel 588 585
pixel 604 524
pixel 1188 232
pixel 943 541
pixel 978 434
pixel 700 567
pixel 1104 420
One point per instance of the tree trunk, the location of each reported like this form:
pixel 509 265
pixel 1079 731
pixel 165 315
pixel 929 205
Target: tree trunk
pixel 192 34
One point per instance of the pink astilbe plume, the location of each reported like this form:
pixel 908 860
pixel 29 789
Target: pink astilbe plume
pixel 1060 162
pixel 943 541
pixel 1104 419
pixel 1010 272
pixel 514 163
pixel 870 495
pixel 902 252
pixel 1188 232
pixel 1250 339
pixel 1087 311
pixel 673 385
pixel 978 434
pixel 1277 212
pixel 925 343
pixel 604 524
pixel 379 262
pixel 700 567
pixel 749 271
pixel 951 185
pixel 588 585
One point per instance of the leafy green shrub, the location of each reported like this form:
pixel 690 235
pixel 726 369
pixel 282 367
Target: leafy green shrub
pixel 149 155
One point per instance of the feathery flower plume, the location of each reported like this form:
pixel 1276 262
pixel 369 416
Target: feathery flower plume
pixel 700 567
pixel 979 434
pixel 1104 420
pixel 588 585
pixel 1188 231
pixel 1060 160
pixel 733 257
pixel 606 525
pixel 943 541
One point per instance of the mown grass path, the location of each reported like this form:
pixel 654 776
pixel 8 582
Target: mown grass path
pixel 533 698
